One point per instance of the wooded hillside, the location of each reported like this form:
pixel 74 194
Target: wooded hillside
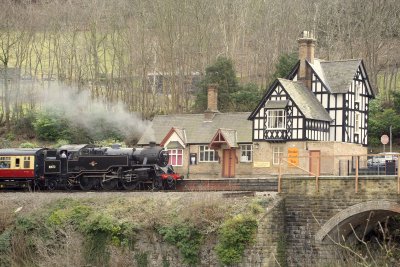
pixel 149 54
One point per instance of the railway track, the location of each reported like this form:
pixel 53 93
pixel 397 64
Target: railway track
pixel 200 185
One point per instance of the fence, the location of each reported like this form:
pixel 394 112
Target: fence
pixel 339 165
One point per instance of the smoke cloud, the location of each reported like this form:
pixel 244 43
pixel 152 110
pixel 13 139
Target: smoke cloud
pixel 80 109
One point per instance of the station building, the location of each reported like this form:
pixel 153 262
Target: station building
pixel 312 122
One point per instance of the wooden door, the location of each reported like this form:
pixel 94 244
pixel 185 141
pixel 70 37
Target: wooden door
pixel 315 162
pixel 228 163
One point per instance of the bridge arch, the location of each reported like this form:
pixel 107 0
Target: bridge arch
pixel 360 218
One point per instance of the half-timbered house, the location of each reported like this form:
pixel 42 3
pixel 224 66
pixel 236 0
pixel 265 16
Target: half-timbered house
pixel 319 110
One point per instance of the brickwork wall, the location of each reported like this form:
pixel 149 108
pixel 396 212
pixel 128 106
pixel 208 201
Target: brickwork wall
pixel 270 230
pixel 331 155
pixel 307 210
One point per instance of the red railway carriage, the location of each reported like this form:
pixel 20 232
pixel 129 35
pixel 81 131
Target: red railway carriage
pixel 21 166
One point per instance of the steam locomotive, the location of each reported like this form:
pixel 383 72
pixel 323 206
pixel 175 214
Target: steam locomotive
pixel 88 167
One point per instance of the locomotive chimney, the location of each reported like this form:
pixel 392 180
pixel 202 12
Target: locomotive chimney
pixel 306 53
pixel 152 143
pixel 212 102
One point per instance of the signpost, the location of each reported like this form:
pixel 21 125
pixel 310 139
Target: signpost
pixel 384 141
pixel 293 157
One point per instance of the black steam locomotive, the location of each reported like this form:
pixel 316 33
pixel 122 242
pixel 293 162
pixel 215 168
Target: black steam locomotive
pixel 88 167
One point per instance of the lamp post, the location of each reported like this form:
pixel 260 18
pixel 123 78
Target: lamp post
pixel 390 137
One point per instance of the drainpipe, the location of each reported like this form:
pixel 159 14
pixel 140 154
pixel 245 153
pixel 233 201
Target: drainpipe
pixel 188 168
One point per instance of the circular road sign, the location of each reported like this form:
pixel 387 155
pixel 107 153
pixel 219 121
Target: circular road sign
pixel 384 139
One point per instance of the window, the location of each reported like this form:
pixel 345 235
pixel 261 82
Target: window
pixel 357 123
pixel 27 162
pixel 175 157
pixel 246 153
pixel 277 154
pixel 207 155
pixel 357 91
pixel 276 119
pixel 17 162
pixel 5 162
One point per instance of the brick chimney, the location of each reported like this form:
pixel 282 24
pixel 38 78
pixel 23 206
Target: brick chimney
pixel 212 102
pixel 306 53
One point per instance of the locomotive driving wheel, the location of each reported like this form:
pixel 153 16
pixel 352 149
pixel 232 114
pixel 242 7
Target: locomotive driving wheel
pixel 68 184
pixel 86 183
pixel 130 182
pixel 109 184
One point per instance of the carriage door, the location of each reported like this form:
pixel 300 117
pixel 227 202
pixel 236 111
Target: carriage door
pixel 229 162
pixel 315 162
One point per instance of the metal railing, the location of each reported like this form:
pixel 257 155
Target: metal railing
pixel 340 165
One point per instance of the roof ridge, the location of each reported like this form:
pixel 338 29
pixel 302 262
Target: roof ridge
pixel 339 60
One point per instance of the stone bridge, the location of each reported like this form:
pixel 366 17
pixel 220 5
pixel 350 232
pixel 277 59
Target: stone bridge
pixel 314 217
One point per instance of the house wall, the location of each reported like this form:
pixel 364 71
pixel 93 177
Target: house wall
pixel 211 169
pixel 333 157
pixel 336 159
pixel 200 169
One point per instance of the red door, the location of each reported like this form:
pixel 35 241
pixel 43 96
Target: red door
pixel 228 163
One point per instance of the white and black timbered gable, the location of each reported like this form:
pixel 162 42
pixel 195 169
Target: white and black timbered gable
pixel 289 111
pixel 343 89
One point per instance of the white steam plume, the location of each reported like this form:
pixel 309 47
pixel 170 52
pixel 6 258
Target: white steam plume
pixel 80 109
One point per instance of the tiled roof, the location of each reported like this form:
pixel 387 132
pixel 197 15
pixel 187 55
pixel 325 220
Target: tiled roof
pixel 338 75
pixel 305 100
pixel 276 104
pixel 230 137
pixel 198 130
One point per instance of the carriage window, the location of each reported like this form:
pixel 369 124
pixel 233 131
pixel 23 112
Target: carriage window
pixel 27 161
pixel 17 161
pixel 5 162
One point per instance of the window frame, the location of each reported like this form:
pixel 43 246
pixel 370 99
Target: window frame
pixel 204 149
pixel 247 148
pixel 27 162
pixel 6 162
pixel 357 90
pixel 275 154
pixel 175 153
pixel 275 116
pixel 357 121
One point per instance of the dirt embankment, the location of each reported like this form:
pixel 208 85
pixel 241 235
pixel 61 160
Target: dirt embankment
pixel 127 229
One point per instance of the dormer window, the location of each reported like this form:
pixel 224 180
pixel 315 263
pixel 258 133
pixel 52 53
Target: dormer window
pixel 276 119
